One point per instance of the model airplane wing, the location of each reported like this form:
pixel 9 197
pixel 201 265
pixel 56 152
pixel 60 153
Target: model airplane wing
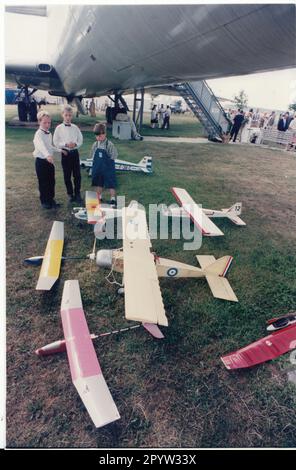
pixel 198 217
pixel 51 264
pixel 85 369
pixel 143 300
pixel 265 349
pixel 92 204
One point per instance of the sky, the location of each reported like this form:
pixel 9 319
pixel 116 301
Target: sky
pixel 271 90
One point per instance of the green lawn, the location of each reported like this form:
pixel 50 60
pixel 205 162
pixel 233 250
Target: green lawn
pixel 174 392
pixel 182 125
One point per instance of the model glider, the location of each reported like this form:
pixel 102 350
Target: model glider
pixel 51 261
pixel 141 270
pixel 200 216
pixel 144 165
pixel 280 341
pixel 85 369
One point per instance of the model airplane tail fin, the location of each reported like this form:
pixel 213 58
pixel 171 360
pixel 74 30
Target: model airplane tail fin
pixel 219 267
pixel 236 209
pixel 233 213
pixel 215 272
pixel 146 162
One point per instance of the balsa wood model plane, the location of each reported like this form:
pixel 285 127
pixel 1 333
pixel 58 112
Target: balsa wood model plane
pixel 141 270
pixel 144 165
pixel 200 216
pixel 85 369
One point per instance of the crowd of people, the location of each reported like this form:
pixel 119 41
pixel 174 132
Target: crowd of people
pixel 66 141
pixel 241 119
pixel 160 117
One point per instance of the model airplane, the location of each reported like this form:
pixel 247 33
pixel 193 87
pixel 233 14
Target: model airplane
pixel 85 369
pixel 281 340
pixel 144 165
pixel 200 216
pixel 141 270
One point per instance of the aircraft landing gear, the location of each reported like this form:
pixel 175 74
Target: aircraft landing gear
pixel 26 105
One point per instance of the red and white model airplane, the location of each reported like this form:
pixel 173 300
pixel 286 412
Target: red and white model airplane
pixel 281 340
pixel 85 369
pixel 201 216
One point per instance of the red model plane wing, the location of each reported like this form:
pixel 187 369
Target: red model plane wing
pixel 265 349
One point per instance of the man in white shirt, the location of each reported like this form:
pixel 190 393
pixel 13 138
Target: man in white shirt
pixel 68 138
pixel 44 163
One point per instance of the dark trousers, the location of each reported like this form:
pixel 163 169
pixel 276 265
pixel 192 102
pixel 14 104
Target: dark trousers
pixel 71 166
pixel 234 132
pixel 46 180
pixel 166 123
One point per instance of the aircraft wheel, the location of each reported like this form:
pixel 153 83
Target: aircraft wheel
pixel 22 111
pixel 33 111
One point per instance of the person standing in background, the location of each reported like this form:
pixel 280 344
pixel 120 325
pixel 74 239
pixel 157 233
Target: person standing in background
pixel 283 123
pixel 92 108
pixel 270 120
pixel 237 122
pixel 153 120
pixel 166 119
pixel 161 112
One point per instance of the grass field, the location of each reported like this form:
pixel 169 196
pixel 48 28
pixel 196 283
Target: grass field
pixel 181 125
pixel 174 392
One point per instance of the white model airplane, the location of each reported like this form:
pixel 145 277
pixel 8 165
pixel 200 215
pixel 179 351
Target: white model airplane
pixel 85 369
pixel 144 165
pixel 152 45
pixel 201 216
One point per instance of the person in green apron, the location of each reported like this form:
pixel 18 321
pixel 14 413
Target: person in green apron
pixel 103 154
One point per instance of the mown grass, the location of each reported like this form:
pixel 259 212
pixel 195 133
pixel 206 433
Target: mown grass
pixel 174 392
pixel 182 125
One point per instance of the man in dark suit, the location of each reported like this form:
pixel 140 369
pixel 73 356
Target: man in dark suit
pixel 284 122
pixel 237 122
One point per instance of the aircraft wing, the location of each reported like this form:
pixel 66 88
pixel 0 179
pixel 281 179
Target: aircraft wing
pixel 265 349
pixel 84 366
pixel 51 264
pixel 143 299
pixel 198 217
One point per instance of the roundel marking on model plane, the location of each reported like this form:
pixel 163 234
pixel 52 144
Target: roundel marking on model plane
pixel 172 272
